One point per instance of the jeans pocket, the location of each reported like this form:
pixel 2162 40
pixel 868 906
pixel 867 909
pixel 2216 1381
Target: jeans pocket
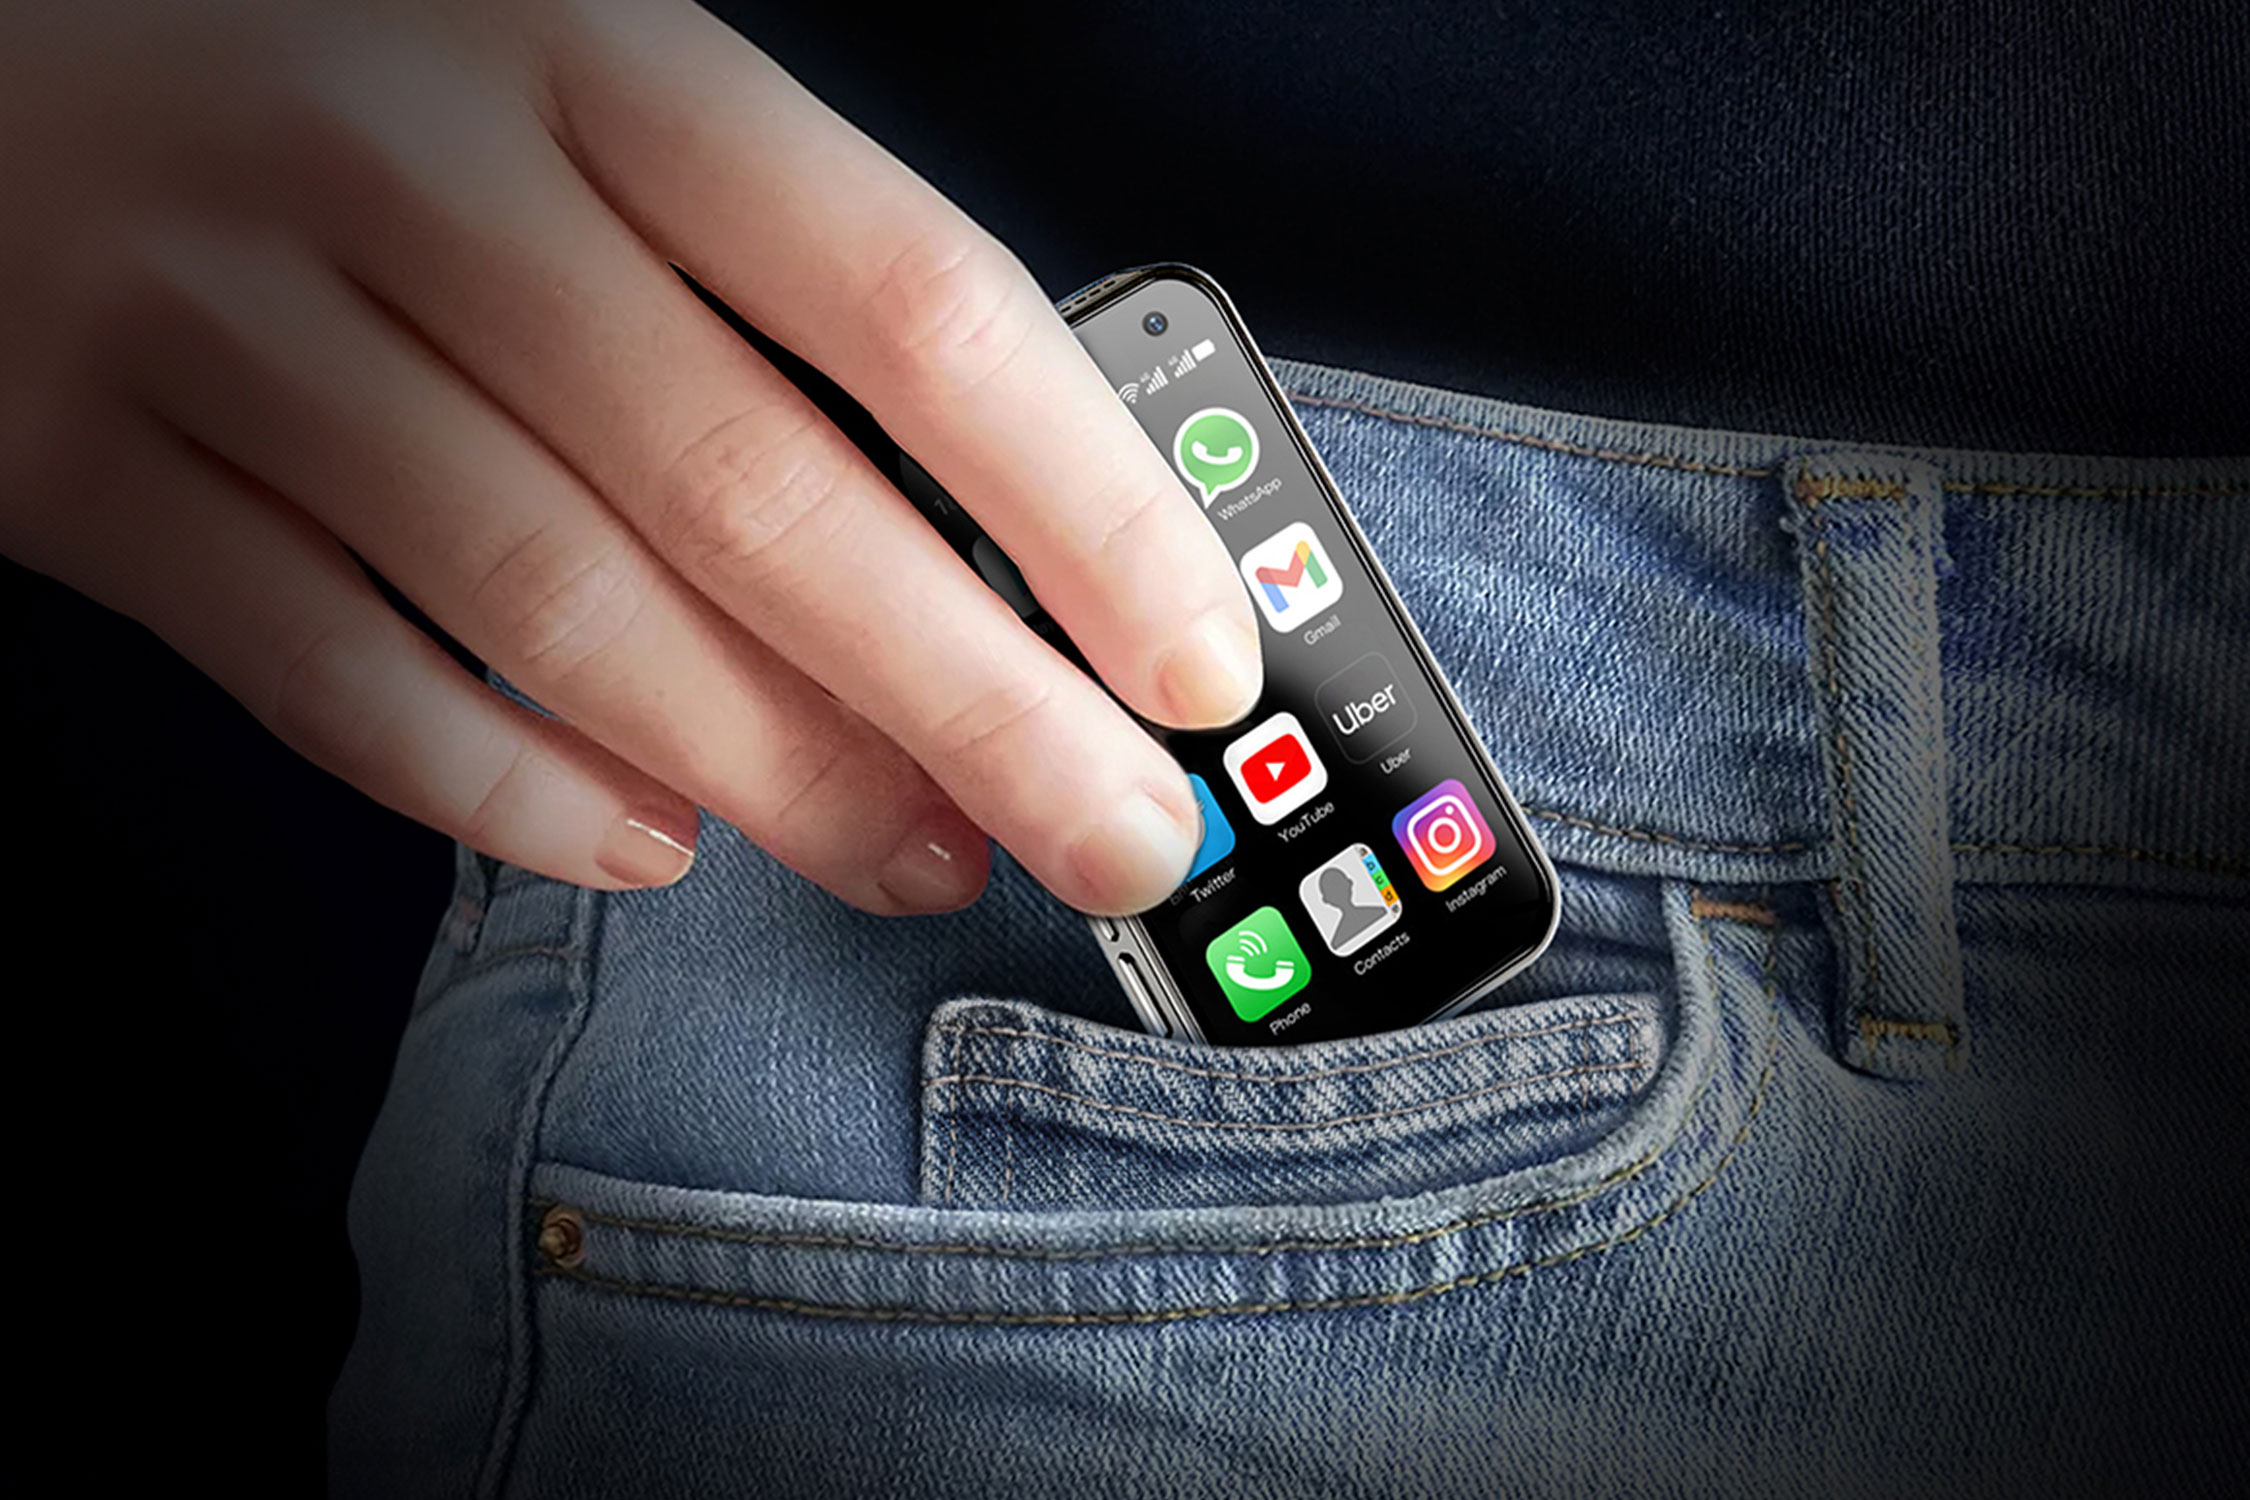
pixel 1436 1193
pixel 1024 1108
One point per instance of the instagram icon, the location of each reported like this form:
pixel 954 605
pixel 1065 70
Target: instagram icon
pixel 1443 834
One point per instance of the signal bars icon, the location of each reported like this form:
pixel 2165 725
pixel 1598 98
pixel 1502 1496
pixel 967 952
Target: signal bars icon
pixel 1155 380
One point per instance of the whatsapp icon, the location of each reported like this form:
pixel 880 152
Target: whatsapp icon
pixel 1216 449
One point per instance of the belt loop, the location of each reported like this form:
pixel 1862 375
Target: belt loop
pixel 1870 536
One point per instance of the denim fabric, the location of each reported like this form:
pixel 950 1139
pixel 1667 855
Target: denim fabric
pixel 1873 1125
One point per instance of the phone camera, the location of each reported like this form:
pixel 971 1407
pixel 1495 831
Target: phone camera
pixel 1155 323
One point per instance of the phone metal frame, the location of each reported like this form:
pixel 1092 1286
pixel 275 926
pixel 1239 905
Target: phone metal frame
pixel 1141 971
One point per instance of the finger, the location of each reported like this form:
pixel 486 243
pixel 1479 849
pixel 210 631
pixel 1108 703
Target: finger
pixel 739 484
pixel 272 608
pixel 278 365
pixel 825 241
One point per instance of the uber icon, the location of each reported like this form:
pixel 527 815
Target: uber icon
pixel 1365 707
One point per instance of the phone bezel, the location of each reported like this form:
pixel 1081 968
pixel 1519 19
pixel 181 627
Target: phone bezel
pixel 1135 960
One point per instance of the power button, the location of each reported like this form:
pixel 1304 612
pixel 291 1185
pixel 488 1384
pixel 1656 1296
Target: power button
pixel 1129 973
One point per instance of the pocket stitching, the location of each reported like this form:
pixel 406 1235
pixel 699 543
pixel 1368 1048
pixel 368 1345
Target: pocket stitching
pixel 1171 1315
pixel 961 1080
pixel 1224 1075
pixel 785 1240
pixel 953 1131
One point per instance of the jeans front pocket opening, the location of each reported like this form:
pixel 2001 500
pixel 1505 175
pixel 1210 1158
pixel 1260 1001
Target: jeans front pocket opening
pixel 1102 1266
pixel 1025 1108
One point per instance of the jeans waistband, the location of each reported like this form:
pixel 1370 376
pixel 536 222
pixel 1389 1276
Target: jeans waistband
pixel 1888 670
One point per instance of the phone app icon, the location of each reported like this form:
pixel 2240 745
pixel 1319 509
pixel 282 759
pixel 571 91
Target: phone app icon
pixel 1216 450
pixel 1258 963
pixel 1275 769
pixel 1291 577
pixel 1366 708
pixel 1218 833
pixel 1443 834
pixel 1350 900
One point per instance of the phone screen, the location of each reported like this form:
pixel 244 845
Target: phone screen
pixel 1362 868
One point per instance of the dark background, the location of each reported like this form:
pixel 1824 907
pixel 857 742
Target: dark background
pixel 2006 226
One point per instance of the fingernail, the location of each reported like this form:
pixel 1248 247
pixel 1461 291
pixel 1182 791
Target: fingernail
pixel 932 870
pixel 1213 676
pixel 1138 854
pixel 642 854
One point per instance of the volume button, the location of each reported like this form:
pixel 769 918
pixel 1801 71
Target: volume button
pixel 1129 974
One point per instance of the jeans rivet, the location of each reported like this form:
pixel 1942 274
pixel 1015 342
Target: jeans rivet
pixel 562 1238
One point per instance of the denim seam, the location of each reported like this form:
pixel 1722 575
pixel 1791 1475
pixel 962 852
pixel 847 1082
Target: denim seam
pixel 953 1123
pixel 504 957
pixel 783 1239
pixel 1875 1030
pixel 1645 836
pixel 1733 471
pixel 2096 492
pixel 2212 862
pixel 1614 1018
pixel 2216 863
pixel 1369 1299
pixel 963 1081
pixel 1532 440
pixel 1855 875
pixel 515 1398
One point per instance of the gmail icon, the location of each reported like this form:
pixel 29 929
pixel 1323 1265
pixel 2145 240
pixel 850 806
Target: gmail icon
pixel 1292 577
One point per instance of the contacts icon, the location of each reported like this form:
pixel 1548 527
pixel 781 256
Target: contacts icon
pixel 1349 899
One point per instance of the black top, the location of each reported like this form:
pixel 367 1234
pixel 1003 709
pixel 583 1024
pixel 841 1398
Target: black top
pixel 1938 221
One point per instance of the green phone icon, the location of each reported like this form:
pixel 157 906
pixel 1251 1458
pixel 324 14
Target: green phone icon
pixel 1216 449
pixel 1258 963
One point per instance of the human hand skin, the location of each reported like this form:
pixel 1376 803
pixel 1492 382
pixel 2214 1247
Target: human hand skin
pixel 281 280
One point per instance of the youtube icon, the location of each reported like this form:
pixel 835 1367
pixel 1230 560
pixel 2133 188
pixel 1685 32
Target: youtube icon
pixel 1275 769
pixel 1269 773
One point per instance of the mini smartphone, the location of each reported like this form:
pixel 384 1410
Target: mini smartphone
pixel 1363 866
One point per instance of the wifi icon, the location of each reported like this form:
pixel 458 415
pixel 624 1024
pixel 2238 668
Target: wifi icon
pixel 1129 392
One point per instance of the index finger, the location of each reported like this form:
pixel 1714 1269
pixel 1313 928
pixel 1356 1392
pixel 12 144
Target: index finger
pixel 828 243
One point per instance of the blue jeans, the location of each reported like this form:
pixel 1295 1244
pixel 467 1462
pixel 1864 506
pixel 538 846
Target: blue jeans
pixel 1874 1124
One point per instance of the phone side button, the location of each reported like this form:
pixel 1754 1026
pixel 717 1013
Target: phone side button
pixel 1129 975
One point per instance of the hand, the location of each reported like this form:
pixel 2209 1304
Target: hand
pixel 391 276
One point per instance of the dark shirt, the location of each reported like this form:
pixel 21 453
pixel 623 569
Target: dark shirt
pixel 2004 225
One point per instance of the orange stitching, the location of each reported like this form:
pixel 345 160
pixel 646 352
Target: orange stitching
pixel 958 1079
pixel 1874 1030
pixel 1180 1314
pixel 1740 911
pixel 1700 466
pixel 1812 489
pixel 1224 1076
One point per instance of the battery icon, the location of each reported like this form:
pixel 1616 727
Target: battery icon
pixel 1202 350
